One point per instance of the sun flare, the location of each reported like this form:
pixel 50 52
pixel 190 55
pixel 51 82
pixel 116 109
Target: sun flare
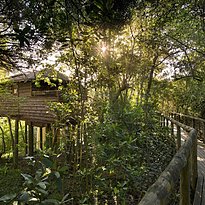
pixel 103 49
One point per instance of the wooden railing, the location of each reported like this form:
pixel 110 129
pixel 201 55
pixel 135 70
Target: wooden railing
pixel 183 168
pixel 197 123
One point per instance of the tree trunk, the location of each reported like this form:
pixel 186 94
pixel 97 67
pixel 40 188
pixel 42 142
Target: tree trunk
pixel 149 85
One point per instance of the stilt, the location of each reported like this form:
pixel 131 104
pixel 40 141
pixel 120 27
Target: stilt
pixel 30 140
pixel 48 136
pixel 41 138
pixel 16 140
pixel 26 138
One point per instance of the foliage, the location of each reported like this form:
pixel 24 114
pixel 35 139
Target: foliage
pixel 37 186
pixel 126 158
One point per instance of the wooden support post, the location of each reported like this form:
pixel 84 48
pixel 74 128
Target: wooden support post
pixel 164 121
pixel 41 138
pixel 167 122
pixel 167 126
pixel 16 141
pixel 185 184
pixel 30 140
pixel 161 119
pixel 178 137
pixel 179 118
pixel 175 116
pixel 193 123
pixel 172 129
pixel 48 136
pixel 26 138
pixel 194 169
pixel 203 131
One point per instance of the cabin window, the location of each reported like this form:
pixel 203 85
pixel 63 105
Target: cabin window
pixel 44 90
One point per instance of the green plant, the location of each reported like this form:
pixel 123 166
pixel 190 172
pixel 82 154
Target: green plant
pixel 36 187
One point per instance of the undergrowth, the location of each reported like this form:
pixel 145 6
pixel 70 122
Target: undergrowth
pixel 127 153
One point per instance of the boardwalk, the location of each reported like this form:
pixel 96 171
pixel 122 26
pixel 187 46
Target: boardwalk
pixel 201 158
pixel 200 189
pixel 186 166
pixel 199 198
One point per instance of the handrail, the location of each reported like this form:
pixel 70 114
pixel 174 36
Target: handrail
pixel 183 166
pixel 188 116
pixel 196 122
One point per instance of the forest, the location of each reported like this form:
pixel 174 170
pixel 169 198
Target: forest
pixel 126 61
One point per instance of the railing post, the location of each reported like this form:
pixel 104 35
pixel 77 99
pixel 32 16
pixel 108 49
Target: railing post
pixel 172 129
pixel 164 121
pixel 194 171
pixel 167 122
pixel 161 120
pixel 203 131
pixel 193 123
pixel 185 184
pixel 179 118
pixel 178 137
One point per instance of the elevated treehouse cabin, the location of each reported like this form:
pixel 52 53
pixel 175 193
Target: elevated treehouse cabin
pixel 30 103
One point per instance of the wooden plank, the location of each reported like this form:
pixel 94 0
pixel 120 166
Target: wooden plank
pixel 199 190
pixel 203 192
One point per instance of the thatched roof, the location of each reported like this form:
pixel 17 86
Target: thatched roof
pixel 31 75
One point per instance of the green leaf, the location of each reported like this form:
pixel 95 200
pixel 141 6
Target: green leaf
pixel 47 162
pixel 24 197
pixel 63 169
pixel 65 198
pixel 116 191
pixel 42 191
pixel 7 197
pixel 42 185
pixel 28 178
pixel 50 201
pixel 99 5
pixel 57 174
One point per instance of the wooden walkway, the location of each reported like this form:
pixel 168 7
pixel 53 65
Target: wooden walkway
pixel 199 198
pixel 187 167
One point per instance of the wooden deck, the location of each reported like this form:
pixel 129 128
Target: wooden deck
pixel 199 198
